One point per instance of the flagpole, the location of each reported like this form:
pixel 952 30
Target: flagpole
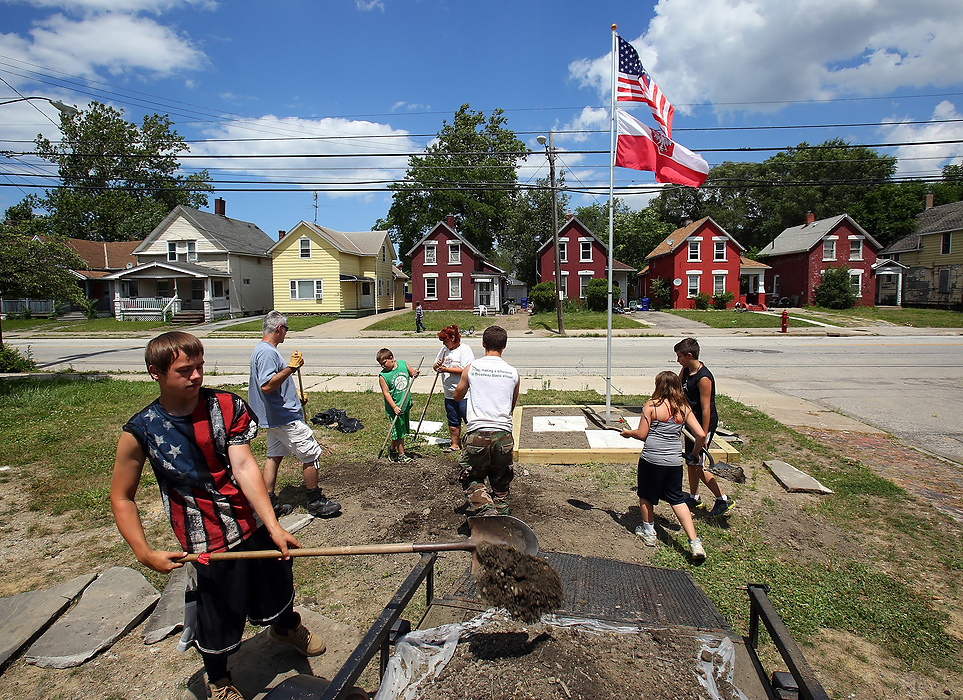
pixel 608 345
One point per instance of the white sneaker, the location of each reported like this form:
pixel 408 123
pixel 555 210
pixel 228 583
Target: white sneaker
pixel 648 539
pixel 698 552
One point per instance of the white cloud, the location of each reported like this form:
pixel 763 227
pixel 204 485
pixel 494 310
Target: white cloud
pixel 337 167
pixel 409 107
pixel 927 160
pixel 589 119
pixel 367 5
pixel 766 51
pixel 89 6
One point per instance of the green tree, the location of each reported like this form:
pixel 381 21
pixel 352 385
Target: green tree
pixel 634 233
pixel 529 226
pixel 835 289
pixel 541 297
pixel 468 172
pixel 118 180
pixel 597 294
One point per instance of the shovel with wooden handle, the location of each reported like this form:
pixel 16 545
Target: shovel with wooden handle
pixel 499 530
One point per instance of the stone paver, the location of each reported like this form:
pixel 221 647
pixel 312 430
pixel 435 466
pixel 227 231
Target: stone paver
pixel 168 615
pixel 23 615
pixel 110 607
pixel 792 479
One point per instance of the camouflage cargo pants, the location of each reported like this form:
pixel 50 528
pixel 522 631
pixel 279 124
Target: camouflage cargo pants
pixel 487 454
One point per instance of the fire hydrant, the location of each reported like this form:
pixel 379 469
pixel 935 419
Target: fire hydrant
pixel 785 322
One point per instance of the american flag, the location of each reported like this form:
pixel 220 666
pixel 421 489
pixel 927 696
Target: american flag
pixel 635 85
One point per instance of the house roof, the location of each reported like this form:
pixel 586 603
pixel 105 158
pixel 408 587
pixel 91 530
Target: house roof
pixel 946 217
pixel 800 239
pixel 185 268
pixel 104 256
pixel 233 235
pixel 746 262
pixel 365 243
pixel 455 233
pixel 616 264
pixel 678 237
pixel 397 273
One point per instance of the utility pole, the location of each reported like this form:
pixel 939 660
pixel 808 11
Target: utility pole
pixel 550 151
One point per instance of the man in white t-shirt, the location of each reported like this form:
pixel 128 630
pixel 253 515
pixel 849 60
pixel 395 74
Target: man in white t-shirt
pixel 450 363
pixel 488 444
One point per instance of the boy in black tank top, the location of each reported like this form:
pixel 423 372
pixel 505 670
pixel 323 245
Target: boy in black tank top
pixel 699 387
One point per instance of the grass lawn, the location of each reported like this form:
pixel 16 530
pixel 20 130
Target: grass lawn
pixel 97 325
pixel 916 318
pixel 434 321
pixel 62 433
pixel 580 321
pixel 736 319
pixel 295 323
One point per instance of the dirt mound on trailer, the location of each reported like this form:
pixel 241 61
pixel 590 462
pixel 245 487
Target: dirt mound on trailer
pixel 526 586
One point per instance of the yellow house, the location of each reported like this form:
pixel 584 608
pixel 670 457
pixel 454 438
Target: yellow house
pixel 318 270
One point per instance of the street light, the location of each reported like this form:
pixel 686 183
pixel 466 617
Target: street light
pixel 61 106
pixel 550 152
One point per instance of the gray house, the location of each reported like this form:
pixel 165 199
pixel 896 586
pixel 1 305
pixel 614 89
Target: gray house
pixel 199 267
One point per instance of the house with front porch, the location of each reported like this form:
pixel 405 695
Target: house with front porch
pixel 702 258
pixel 197 267
pixel 582 257
pixel 448 272
pixel 318 270
pixel 799 255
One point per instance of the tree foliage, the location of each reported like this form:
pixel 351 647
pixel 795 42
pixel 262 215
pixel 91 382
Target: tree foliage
pixel 529 226
pixel 542 297
pixel 835 289
pixel 634 233
pixel 468 172
pixel 118 180
pixel 597 294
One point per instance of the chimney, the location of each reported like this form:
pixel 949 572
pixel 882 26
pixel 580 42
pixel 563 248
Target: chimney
pixel 929 201
pixel 219 207
pixel 810 218
pixel 451 221
pixel 569 215
pixel 281 233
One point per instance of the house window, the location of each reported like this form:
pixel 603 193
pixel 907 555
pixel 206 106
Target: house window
pixel 305 250
pixel 307 289
pixel 775 286
pixel 172 251
pixel 431 287
pixel 563 251
pixel 693 285
pixel 943 285
pixel 185 251
pixel 585 251
pixel 718 284
pixel 856 249
pixel 694 251
pixel 583 281
pixel 829 250
pixel 945 243
pixel 197 289
pixel 384 254
pixel 454 253
pixel 381 291
pixel 163 288
pixel 128 290
pixel 430 255
pixel 719 250
pixel 856 281
pixel 218 286
pixel 191 251
pixel 246 281
pixel 454 287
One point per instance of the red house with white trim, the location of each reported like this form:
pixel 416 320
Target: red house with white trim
pixel 583 257
pixel 701 257
pixel 448 272
pixel 799 255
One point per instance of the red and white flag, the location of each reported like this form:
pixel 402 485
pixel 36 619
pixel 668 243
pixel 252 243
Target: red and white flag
pixel 635 85
pixel 643 148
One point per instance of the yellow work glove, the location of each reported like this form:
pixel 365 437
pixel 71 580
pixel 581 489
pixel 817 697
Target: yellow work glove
pixel 296 360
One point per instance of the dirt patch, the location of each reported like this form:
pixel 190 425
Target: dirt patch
pixel 559 439
pixel 524 585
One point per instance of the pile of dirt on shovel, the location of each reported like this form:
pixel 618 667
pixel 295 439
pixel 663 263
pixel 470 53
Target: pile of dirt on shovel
pixel 526 586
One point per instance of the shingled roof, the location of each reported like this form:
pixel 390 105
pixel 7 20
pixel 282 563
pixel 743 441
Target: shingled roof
pixel 233 235
pixel 799 239
pixel 355 242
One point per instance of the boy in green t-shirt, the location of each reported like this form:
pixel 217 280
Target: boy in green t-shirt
pixel 395 378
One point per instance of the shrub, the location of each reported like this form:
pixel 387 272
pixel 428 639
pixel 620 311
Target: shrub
pixel 721 301
pixel 661 293
pixel 702 300
pixel 835 291
pixel 541 298
pixel 12 361
pixel 597 294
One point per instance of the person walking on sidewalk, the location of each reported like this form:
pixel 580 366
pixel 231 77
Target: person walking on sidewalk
pixel 198 443
pixel 699 387
pixel 278 405
pixel 419 317
pixel 491 385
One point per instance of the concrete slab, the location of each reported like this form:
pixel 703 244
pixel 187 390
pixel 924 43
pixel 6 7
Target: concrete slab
pixel 110 607
pixel 296 521
pixel 168 615
pixel 23 616
pixel 794 480
pixel 562 424
pixel 260 664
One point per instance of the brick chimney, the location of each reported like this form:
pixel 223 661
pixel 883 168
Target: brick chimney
pixel 219 207
pixel 810 218
pixel 929 201
pixel 451 221
pixel 569 215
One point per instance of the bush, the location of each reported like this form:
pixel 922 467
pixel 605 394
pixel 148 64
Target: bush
pixel 12 361
pixel 541 298
pixel 721 301
pixel 702 300
pixel 660 293
pixel 597 295
pixel 835 291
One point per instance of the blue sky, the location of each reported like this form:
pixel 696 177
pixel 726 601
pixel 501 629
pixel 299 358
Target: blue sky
pixel 387 73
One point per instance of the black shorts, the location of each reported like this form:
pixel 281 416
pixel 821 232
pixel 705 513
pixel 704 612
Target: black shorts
pixel 231 592
pixel 655 482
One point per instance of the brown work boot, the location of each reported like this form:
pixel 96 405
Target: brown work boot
pixel 300 638
pixel 223 690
